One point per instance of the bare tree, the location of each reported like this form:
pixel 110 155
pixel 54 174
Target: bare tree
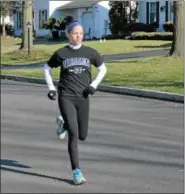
pixel 6 8
pixel 177 48
pixel 22 7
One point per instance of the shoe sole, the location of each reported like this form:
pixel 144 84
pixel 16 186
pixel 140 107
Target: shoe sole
pixel 81 183
pixel 62 135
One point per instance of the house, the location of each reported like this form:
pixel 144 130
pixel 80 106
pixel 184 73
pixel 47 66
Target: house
pixel 92 14
pixel 155 11
pixel 7 20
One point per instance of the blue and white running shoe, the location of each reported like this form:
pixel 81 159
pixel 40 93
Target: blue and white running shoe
pixel 61 132
pixel 78 178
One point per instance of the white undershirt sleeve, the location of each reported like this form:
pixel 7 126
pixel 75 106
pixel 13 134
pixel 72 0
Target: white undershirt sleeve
pixel 48 78
pixel 102 70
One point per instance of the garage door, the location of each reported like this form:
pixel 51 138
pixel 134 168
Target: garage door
pixel 87 22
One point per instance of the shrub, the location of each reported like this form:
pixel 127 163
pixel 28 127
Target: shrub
pixel 8 29
pixel 49 24
pixel 57 25
pixel 111 37
pixel 139 27
pixel 151 36
pixel 168 26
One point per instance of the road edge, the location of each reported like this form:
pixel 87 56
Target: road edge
pixel 111 89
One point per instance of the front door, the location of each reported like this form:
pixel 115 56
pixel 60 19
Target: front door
pixel 87 22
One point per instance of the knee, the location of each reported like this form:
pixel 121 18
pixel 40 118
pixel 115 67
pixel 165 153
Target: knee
pixel 73 136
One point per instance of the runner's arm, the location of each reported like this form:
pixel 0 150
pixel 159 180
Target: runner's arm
pixel 102 70
pixel 54 62
pixel 48 77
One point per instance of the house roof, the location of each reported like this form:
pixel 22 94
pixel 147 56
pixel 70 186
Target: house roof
pixel 78 4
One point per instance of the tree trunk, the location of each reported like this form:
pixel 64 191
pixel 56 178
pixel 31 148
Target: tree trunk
pixel 177 48
pixel 22 36
pixel 3 27
pixel 130 14
pixel 28 25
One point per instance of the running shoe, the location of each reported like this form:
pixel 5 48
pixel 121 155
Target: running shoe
pixel 61 132
pixel 78 178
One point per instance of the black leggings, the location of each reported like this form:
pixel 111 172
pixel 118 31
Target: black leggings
pixel 75 112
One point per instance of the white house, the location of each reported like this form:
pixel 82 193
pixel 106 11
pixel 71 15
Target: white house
pixel 92 14
pixel 155 11
pixel 7 20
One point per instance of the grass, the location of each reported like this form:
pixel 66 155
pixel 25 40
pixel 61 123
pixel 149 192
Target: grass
pixel 22 57
pixel 157 74
pixel 43 49
pixel 9 44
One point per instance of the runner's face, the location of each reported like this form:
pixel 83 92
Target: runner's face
pixel 76 35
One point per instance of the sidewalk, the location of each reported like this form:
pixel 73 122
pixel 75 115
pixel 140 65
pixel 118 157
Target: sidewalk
pixel 107 58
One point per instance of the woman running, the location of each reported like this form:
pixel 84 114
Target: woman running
pixel 74 87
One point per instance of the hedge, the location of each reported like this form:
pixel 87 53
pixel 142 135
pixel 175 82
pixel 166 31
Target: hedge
pixel 151 36
pixel 168 26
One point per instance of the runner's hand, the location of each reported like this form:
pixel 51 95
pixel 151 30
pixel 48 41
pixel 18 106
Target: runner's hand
pixel 89 90
pixel 52 95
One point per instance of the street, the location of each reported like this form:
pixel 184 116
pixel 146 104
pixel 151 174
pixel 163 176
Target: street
pixel 134 144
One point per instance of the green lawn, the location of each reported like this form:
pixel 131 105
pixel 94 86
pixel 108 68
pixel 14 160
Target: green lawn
pixel 43 49
pixel 158 74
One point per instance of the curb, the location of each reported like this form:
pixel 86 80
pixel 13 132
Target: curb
pixel 112 89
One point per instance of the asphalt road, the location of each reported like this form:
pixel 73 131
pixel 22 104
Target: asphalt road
pixel 134 144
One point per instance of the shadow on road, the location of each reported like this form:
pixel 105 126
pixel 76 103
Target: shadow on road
pixel 13 163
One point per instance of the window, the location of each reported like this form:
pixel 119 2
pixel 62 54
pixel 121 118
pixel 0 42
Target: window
pixel 19 20
pixel 42 17
pixel 153 12
pixel 171 11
